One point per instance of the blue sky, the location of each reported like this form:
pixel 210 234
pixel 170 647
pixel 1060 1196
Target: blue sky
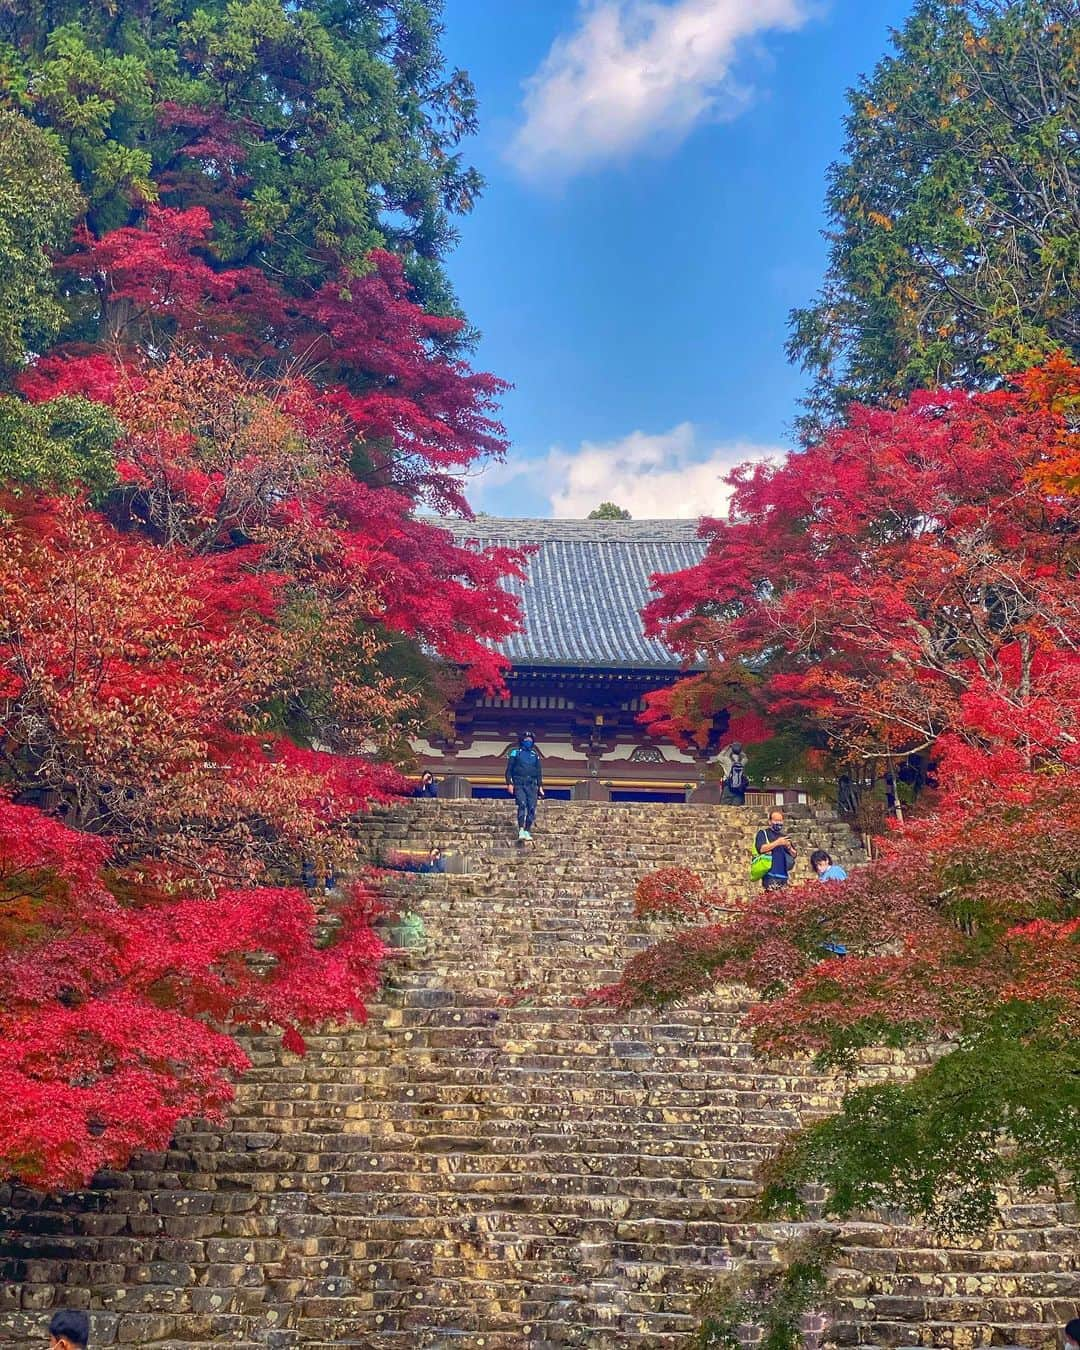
pixel 656 173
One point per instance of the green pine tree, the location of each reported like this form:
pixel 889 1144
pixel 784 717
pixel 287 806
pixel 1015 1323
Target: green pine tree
pixel 955 211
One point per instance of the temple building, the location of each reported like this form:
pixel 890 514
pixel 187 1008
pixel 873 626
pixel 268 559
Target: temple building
pixel 581 667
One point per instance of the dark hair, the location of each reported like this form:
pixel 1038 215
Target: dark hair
pixel 819 855
pixel 1072 1330
pixel 72 1325
pixel 526 736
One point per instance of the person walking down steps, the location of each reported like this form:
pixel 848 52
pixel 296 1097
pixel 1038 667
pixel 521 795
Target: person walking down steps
pixel 525 779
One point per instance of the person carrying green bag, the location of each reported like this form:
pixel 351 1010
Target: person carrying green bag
pixel 773 844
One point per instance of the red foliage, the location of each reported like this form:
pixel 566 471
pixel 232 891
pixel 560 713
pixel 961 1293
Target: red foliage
pixel 133 685
pixel 961 913
pixel 214 453
pixel 671 893
pixel 153 281
pixel 201 669
pixel 118 997
pixel 417 411
pixel 91 374
pixel 906 578
pixel 911 583
pixel 210 136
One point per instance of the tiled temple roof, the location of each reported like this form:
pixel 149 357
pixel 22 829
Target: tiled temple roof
pixel 587 582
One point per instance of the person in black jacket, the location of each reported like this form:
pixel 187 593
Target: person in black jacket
pixel 525 779
pixel 773 840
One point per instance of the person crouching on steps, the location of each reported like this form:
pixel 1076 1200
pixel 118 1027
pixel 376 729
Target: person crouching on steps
pixel 525 779
pixel 822 863
pixel 69 1330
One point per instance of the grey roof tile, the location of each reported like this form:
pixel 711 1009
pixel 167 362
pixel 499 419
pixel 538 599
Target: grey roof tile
pixel 586 585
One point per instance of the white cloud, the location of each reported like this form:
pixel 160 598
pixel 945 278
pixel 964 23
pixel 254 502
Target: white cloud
pixel 651 476
pixel 639 72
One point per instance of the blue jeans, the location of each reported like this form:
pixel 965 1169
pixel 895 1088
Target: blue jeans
pixel 526 796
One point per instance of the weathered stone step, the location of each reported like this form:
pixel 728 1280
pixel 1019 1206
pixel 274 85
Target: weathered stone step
pixel 486 1164
pixel 980 1331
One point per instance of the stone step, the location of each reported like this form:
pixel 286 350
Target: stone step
pixel 486 1164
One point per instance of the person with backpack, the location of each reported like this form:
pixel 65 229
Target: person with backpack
pixel 735 781
pixel 772 842
pixel 525 780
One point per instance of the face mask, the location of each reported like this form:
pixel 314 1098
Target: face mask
pixel 527 744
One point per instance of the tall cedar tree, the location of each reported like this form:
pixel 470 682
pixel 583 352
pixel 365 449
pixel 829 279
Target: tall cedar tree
pixel 218 609
pixel 955 212
pixel 312 132
pixel 909 583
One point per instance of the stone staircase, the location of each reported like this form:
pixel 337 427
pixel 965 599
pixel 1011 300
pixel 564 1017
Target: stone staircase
pixel 487 1166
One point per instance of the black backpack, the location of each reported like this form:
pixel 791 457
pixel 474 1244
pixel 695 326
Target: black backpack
pixel 736 779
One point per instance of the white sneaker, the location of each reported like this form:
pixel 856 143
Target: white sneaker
pixel 523 833
pixel 526 835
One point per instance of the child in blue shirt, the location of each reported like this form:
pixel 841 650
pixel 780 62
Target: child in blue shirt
pixel 825 868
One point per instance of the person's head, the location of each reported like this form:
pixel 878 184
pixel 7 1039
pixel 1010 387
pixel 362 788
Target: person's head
pixel 820 861
pixel 1072 1334
pixel 69 1330
pixel 776 819
pixel 528 740
pixel 427 776
pixel 435 854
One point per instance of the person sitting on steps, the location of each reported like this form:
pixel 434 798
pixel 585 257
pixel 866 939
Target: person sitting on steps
pixel 773 841
pixel 435 862
pixel 525 779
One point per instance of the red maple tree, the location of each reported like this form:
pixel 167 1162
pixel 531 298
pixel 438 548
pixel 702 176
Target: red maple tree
pixel 134 683
pixel 911 583
pixel 909 567
pixel 220 454
pixel 121 992
pixel 208 670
